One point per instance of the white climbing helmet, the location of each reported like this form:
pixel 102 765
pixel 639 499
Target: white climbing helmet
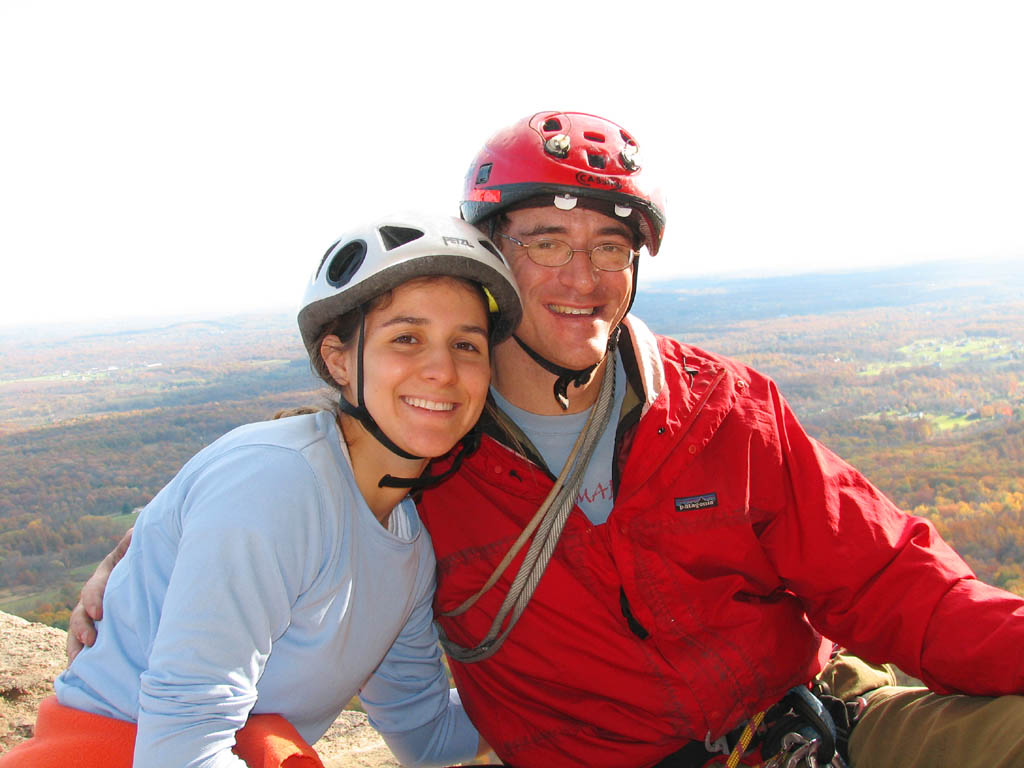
pixel 383 254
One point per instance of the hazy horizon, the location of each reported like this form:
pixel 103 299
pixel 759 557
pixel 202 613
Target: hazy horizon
pixel 710 281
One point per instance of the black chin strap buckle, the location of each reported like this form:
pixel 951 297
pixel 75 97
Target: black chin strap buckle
pixel 468 445
pixel 566 376
pixel 562 384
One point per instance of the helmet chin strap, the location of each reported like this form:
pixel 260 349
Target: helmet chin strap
pixel 567 376
pixel 470 442
pixel 359 411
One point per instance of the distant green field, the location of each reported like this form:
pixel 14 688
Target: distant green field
pixel 47 377
pixel 942 422
pixel 945 353
pixel 21 599
pixel 948 421
pixel 128 520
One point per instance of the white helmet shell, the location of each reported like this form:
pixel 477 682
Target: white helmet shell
pixel 383 254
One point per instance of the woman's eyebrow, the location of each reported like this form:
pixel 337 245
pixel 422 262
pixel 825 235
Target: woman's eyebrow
pixel 405 320
pixel 410 320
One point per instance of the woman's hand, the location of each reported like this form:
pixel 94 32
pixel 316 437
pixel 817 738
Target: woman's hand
pixel 82 624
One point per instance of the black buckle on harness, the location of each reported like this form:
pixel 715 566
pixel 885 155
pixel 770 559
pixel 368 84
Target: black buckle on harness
pixel 800 711
pixel 804 729
pixel 810 727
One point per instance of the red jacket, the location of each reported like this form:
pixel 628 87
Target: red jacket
pixel 734 541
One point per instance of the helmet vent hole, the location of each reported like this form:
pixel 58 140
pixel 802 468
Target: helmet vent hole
pixel 552 124
pixel 596 160
pixel 346 262
pixel 327 253
pixel 393 237
pixel 484 173
pixel 591 136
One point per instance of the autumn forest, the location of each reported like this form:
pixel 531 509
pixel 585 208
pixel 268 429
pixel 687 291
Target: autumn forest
pixel 914 376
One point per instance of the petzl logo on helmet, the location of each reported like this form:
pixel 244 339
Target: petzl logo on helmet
pixel 593 180
pixel 457 241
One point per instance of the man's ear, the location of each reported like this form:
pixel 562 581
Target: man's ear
pixel 338 359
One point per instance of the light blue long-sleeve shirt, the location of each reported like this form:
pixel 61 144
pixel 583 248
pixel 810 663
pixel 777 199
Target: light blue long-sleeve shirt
pixel 258 581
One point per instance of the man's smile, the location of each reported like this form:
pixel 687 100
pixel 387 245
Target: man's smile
pixel 561 309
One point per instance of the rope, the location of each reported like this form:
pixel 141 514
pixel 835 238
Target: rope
pixel 548 522
pixel 741 746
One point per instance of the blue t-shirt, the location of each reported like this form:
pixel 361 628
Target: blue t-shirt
pixel 554 437
pixel 258 580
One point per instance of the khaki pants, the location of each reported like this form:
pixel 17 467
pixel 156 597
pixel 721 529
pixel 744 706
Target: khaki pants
pixel 914 728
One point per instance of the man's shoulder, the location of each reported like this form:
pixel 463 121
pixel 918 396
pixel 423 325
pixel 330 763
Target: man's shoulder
pixel 646 343
pixel 655 363
pixel 738 387
pixel 694 356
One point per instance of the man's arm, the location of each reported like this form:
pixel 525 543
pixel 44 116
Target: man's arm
pixel 82 624
pixel 883 583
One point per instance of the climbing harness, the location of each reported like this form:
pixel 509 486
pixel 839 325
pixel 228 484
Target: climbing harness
pixel 548 522
pixel 806 729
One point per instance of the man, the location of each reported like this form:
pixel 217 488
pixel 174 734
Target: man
pixel 694 546
pixel 696 599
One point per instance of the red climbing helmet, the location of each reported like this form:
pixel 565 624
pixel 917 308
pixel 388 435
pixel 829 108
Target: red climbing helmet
pixel 571 156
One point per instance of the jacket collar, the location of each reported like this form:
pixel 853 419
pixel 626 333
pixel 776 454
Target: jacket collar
pixel 645 375
pixel 644 367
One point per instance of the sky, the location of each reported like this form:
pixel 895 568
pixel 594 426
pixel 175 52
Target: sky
pixel 198 157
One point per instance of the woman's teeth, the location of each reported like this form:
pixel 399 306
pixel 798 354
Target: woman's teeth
pixel 430 405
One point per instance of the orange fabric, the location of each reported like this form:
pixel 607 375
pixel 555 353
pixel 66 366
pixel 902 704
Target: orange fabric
pixel 66 736
pixel 270 741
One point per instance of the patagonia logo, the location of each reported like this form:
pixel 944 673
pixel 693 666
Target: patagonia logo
pixel 703 501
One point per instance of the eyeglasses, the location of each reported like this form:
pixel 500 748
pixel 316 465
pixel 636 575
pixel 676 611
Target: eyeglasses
pixel 608 257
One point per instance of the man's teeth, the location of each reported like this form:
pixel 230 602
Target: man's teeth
pixel 430 405
pixel 563 310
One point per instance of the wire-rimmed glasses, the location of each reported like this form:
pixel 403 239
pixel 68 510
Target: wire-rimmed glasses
pixel 608 257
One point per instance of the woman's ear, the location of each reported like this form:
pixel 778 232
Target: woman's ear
pixel 338 359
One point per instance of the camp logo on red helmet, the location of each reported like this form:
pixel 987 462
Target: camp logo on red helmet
pixel 600 182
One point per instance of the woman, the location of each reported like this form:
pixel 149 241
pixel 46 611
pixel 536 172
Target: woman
pixel 284 568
